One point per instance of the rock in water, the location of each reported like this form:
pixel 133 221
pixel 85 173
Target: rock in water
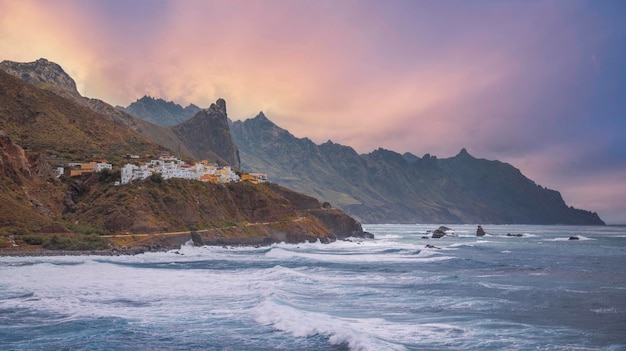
pixel 196 238
pixel 480 231
pixel 440 232
pixel 573 238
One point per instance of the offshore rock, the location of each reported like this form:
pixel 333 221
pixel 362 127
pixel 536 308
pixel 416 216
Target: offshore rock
pixel 479 230
pixel 440 232
pixel 196 238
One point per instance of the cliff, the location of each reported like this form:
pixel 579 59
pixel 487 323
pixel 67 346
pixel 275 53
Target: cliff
pixel 208 132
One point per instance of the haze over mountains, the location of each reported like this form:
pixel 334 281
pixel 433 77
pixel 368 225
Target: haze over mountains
pixel 159 111
pixel 387 187
pixel 380 187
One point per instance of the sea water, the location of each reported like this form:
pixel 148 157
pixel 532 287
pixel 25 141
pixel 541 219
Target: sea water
pixel 539 291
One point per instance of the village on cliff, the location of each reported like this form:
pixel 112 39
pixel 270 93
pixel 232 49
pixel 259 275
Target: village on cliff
pixel 167 167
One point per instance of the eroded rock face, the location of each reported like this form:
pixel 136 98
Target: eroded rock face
pixel 340 224
pixel 40 72
pixel 208 132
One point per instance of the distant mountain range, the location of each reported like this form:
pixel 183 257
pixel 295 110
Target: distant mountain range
pixel 380 187
pixel 387 187
pixel 159 111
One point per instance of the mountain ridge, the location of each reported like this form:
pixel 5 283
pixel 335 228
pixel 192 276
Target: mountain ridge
pixel 159 111
pixel 38 209
pixel 385 186
pixel 380 186
pixel 51 76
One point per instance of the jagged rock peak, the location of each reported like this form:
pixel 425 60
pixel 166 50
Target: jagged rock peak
pixel 40 72
pixel 219 106
pixel 464 153
pixel 261 119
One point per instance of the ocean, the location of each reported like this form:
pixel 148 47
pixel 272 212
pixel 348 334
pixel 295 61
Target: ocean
pixel 539 291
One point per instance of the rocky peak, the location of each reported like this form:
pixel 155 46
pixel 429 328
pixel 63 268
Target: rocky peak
pixel 260 120
pixel 40 72
pixel 208 132
pixel 219 106
pixel 159 111
pixel 464 153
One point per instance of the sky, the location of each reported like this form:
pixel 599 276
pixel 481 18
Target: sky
pixel 537 84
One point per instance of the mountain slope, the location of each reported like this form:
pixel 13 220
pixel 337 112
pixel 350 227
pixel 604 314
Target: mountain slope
pixel 159 111
pixel 50 76
pixel 384 186
pixel 30 197
pixel 47 123
pixel 517 199
pixel 38 127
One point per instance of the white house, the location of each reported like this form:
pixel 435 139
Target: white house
pixel 100 166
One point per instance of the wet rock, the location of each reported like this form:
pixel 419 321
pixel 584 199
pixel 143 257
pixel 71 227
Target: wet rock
pixel 573 238
pixel 480 231
pixel 440 232
pixel 196 238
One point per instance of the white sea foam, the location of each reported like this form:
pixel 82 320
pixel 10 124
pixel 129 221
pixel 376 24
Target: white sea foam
pixel 381 294
pixel 506 287
pixel 580 238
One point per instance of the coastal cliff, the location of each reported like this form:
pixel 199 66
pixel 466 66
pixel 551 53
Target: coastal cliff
pixel 43 211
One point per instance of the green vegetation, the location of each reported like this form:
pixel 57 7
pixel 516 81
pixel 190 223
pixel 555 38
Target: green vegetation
pixel 33 239
pixel 108 176
pixel 75 243
pixel 156 178
pixel 87 229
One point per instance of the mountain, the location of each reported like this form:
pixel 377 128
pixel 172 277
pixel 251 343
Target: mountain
pixel 46 123
pixel 382 186
pixel 50 76
pixel 159 111
pixel 30 196
pixel 208 131
pixel 41 72
pixel 39 129
pixel 387 187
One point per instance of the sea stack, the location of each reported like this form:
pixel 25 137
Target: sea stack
pixel 480 231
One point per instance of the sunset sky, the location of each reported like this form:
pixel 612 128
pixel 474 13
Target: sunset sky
pixel 538 84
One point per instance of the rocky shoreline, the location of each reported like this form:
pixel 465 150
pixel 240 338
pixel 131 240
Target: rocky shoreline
pixel 262 235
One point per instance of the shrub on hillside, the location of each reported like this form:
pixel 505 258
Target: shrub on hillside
pixel 77 243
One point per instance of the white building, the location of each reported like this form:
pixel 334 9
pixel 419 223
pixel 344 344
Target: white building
pixel 100 166
pixel 131 172
pixel 172 167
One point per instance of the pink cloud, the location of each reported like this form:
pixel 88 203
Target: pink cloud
pixel 407 76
